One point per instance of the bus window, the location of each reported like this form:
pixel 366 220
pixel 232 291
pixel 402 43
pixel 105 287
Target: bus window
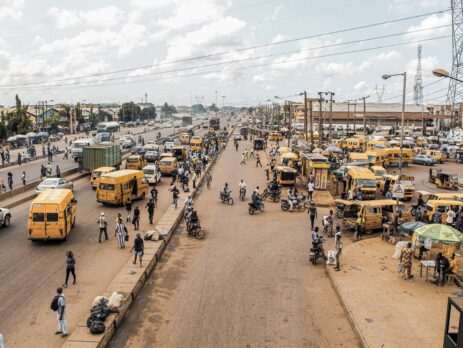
pixel 52 217
pixel 38 217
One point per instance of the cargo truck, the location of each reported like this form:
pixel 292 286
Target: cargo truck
pixel 214 123
pixel 187 120
pixel 101 155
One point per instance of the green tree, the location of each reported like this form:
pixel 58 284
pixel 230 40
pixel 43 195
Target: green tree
pixel 129 112
pixel 148 113
pixel 213 108
pixel 79 117
pixel 18 121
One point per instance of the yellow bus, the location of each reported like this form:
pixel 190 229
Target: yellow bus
pixel 275 136
pixel 184 138
pixel 388 181
pixel 355 157
pixel 135 162
pixel 286 175
pixel 379 172
pixel 96 173
pixel 52 214
pixel 378 144
pixel 168 166
pixel 438 155
pixel 196 143
pixel 352 144
pixel 115 188
pixel 363 179
pixel 378 158
pixel 394 156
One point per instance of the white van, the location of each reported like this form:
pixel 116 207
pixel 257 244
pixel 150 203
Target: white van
pixel 78 145
pixel 152 174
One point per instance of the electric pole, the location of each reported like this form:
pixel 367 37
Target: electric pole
pixel 320 120
pixel 331 116
pixel 355 112
pixel 347 121
pixel 305 115
pixel 365 115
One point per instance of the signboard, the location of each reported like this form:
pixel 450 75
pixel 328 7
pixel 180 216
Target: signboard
pixel 398 191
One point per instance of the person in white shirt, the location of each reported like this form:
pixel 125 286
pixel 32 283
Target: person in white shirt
pixel 450 217
pixel 310 189
pixel 103 227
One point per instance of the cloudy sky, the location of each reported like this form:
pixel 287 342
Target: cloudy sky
pixel 179 51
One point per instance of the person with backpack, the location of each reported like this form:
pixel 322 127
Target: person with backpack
pixel 58 305
pixel 70 268
pixel 138 249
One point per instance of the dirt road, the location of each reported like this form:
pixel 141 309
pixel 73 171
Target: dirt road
pixel 248 284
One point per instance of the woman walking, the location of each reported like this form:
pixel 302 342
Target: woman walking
pixel 70 268
pixel 121 234
pixel 138 249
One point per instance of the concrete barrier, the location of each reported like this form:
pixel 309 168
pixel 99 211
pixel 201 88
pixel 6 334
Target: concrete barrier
pixel 130 285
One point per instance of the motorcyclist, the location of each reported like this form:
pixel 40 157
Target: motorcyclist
pixel 317 242
pixel 226 190
pixel 420 200
pixel 292 199
pixel 189 202
pixel 242 186
pixel 193 219
pixel 256 200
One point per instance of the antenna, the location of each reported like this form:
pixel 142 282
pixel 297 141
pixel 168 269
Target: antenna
pixel 418 87
pixel 199 99
pixel 455 88
pixel 380 93
pixel 146 97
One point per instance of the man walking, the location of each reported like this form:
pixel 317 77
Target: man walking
pixel 136 218
pixel 150 208
pixel 61 311
pixel 58 171
pixel 175 193
pixel 128 207
pixel 208 180
pixel 406 259
pixel 310 189
pixel 258 161
pixel 23 178
pixel 267 171
pixel 10 180
pixel 312 214
pixel 338 241
pixel 103 227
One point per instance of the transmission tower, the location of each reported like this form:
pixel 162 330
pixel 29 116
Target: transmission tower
pixel 380 93
pixel 199 99
pixel 455 88
pixel 418 87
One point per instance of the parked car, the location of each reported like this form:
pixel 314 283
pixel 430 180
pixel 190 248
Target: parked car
pixel 139 150
pixel 168 146
pixel 168 140
pixel 5 217
pixel 151 156
pixel 424 160
pixel 238 136
pixel 54 183
pixel 128 144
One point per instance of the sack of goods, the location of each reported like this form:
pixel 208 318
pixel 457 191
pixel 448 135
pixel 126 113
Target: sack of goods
pixel 331 257
pixel 115 302
pixel 97 327
pixel 99 312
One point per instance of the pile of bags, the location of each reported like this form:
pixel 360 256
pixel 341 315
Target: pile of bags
pixel 101 307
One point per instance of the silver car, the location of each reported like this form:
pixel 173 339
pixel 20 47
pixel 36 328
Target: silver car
pixel 54 183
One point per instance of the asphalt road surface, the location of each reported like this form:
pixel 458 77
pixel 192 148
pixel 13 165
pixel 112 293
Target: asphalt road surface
pixel 249 283
pixel 31 272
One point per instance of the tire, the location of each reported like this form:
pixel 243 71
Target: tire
pixel 200 234
pixel 230 201
pixel 284 206
pixel 276 198
pixel 143 196
pixel 301 208
pixel 413 212
pixel 251 211
pixel 262 208
pixel 314 259
pixel 307 205
pixel 6 221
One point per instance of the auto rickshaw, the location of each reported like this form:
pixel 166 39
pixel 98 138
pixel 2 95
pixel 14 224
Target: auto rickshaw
pixel 258 144
pixel 286 175
pixel 447 181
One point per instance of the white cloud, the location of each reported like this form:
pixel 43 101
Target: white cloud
pixel 11 9
pixel 430 22
pixel 406 6
pixel 152 4
pixel 104 17
pixel 278 38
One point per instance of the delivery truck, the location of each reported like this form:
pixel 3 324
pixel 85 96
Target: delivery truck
pixel 101 155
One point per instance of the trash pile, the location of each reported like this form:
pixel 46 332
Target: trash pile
pixel 101 308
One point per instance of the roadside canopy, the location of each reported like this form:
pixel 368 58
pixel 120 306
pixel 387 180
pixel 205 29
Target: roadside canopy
pixel 411 226
pixel 11 139
pixel 334 149
pixel 30 135
pixel 439 233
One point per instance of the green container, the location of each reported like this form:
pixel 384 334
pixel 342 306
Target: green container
pixel 101 155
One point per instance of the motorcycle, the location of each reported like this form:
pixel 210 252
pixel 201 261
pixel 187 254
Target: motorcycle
pixel 327 227
pixel 256 207
pixel 414 209
pixel 226 198
pixel 315 253
pixel 274 195
pixel 195 230
pixel 301 204
pixel 242 193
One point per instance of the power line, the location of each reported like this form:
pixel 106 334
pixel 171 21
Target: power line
pixel 228 52
pixel 238 60
pixel 241 68
pixel 409 92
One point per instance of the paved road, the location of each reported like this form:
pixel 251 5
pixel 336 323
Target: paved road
pixel 32 169
pixel 248 284
pixel 31 272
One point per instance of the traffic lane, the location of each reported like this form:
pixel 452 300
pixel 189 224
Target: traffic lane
pixel 248 283
pixel 31 272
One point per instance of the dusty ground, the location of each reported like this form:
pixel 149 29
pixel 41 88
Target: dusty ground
pixel 248 284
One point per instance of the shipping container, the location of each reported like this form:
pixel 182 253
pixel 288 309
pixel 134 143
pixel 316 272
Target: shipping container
pixel 102 155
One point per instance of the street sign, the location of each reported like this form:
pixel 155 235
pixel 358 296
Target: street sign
pixel 398 191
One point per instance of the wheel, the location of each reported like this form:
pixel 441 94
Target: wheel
pixel 199 234
pixel 276 198
pixel 6 221
pixel 251 211
pixel 230 201
pixel 285 206
pixel 301 207
pixel 262 208
pixel 314 259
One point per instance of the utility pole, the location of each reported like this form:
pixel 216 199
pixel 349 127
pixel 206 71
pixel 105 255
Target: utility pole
pixel 305 115
pixel 348 111
pixel 365 115
pixel 331 117
pixel 311 123
pixel 320 120
pixel 289 125
pixel 355 112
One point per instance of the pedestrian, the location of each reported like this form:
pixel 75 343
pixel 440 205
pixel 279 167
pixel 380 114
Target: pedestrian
pixel 65 153
pixel 138 249
pixel 338 243
pixel 43 172
pixel 208 180
pixel 150 207
pixel 310 189
pixel 128 208
pixel 59 306
pixel 312 214
pixel 2 345
pixel 70 268
pixel 58 171
pixel 258 161
pixel 194 180
pixel 136 218
pixel 121 233
pixel 175 193
pixel 267 171
pixel 49 170
pixel 103 227
pixel 154 195
pixel 406 257
pixel 23 178
pixel 19 158
pixel 451 215
pixel 134 185
pixel 359 228
pixel 10 180
pixel 243 159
